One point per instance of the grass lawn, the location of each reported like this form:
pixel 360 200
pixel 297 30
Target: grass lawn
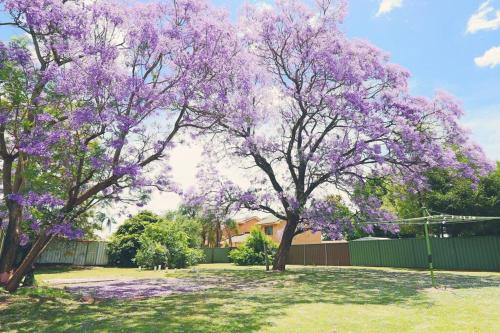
pixel 304 299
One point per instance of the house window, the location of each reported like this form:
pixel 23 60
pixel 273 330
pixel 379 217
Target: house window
pixel 268 231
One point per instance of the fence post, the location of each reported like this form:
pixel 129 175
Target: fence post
pixel 429 252
pixel 304 247
pixel 326 255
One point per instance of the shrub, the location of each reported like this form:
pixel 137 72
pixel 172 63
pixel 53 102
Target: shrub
pixel 190 225
pixel 125 241
pixel 176 242
pixel 252 252
pixel 152 254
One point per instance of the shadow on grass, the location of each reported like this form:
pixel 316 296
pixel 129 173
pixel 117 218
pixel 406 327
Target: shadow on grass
pixel 56 269
pixel 233 308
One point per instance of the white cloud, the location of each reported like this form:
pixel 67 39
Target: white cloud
pixel 484 124
pixel 387 6
pixel 485 18
pixel 490 58
pixel 264 6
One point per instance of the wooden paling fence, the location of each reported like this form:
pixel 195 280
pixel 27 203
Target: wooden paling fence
pixel 325 254
pixel 80 253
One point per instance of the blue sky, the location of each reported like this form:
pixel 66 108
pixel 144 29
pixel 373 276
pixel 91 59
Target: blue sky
pixel 430 38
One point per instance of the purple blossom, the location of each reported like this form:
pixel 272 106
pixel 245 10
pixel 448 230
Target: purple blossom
pixel 4 224
pixel 44 117
pixel 17 197
pixel 23 239
pixel 42 200
pixel 66 230
pixel 130 170
pixel 35 226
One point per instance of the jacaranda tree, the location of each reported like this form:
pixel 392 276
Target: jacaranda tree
pixel 313 112
pixel 94 94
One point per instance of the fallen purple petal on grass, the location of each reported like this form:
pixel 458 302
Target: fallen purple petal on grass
pixel 124 289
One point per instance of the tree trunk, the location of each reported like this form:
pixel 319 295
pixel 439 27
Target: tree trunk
pixel 11 240
pixel 218 234
pixel 27 263
pixel 10 247
pixel 279 262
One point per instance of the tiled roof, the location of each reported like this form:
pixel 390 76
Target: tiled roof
pixel 269 220
pixel 246 219
pixel 240 238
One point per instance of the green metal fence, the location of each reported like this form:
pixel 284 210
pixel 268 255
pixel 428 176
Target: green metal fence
pixel 217 255
pixel 474 253
pixel 81 253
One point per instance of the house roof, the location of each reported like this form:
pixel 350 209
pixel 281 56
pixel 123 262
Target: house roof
pixel 246 219
pixel 369 238
pixel 335 241
pixel 269 220
pixel 240 238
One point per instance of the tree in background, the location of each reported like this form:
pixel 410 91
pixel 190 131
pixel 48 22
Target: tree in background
pixel 125 243
pixel 213 206
pixel 446 194
pixel 253 251
pixel 101 97
pixel 167 243
pixel 311 111
pixel 138 232
pixel 191 225
pixel 457 196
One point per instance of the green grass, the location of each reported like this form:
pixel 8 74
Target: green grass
pixel 304 299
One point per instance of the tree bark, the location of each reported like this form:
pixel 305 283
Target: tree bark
pixel 10 247
pixel 279 262
pixel 27 263
pixel 11 241
pixel 218 234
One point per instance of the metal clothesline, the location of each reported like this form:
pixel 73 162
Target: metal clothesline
pixel 436 219
pixel 433 219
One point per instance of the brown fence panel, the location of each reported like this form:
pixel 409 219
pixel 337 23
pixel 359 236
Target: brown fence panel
pixel 296 255
pixel 338 254
pixel 315 254
pixel 325 254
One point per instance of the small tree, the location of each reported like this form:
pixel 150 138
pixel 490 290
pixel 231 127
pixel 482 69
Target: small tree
pixel 125 242
pixel 190 224
pixel 254 250
pixel 151 254
pixel 175 241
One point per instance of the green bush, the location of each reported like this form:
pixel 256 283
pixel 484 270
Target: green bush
pixel 176 242
pixel 152 254
pixel 252 252
pixel 125 241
